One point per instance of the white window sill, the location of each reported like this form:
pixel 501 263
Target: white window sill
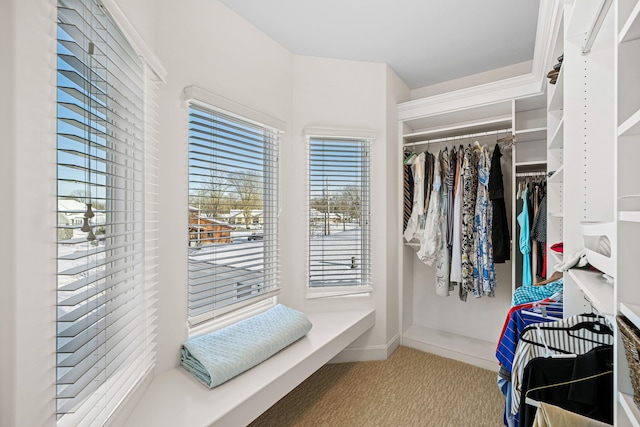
pixel 355 291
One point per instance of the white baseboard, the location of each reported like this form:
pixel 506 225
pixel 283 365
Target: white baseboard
pixel 464 349
pixel 367 353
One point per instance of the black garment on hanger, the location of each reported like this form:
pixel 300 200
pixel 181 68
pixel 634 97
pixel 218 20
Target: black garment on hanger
pixel 500 231
pixel 408 194
pixel 589 391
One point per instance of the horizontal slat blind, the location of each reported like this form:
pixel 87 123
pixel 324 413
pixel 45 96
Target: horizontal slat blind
pixel 339 236
pixel 233 206
pixel 106 255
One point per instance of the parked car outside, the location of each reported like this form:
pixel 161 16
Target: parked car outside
pixel 255 236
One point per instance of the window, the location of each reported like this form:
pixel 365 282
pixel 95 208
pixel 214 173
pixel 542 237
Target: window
pixel 106 263
pixel 233 170
pixel 339 237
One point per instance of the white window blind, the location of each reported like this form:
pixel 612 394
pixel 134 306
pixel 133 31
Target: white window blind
pixel 233 207
pixel 339 235
pixel 107 265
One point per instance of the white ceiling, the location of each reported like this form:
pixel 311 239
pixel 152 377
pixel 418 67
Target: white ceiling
pixel 423 41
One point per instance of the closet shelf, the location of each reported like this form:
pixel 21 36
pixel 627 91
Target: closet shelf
pixel 631 28
pixel 631 312
pixel 531 163
pixel 630 216
pixel 596 289
pixel 556 256
pixel 489 124
pixel 557 97
pixel 557 140
pixel 555 214
pixel 535 134
pixel 558 176
pixel 630 408
pixel 631 126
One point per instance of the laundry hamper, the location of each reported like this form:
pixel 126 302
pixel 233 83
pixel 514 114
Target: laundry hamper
pixel 630 335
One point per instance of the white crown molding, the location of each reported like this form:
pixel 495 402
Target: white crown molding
pixel 547 31
pixel 547 34
pixel 136 40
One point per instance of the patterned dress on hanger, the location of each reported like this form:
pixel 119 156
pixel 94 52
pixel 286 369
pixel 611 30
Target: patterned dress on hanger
pixel 484 274
pixel 443 285
pixel 469 194
pixel 431 235
pixel 417 170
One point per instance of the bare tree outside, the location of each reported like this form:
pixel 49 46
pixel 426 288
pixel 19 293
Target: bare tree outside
pixel 351 202
pixel 248 185
pixel 211 197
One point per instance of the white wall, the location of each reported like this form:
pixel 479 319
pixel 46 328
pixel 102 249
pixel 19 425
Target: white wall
pixel 397 91
pixel 348 95
pixel 490 76
pixel 27 217
pixel 7 216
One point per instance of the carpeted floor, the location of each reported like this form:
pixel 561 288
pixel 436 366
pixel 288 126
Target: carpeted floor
pixel 411 388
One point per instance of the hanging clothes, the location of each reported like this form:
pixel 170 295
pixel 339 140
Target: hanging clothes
pixel 431 235
pixel 443 285
pixel 539 232
pixel 417 163
pixel 484 274
pixel 554 416
pixel 469 195
pixel 456 239
pixel 552 339
pixel 582 385
pixel 500 233
pixel 534 243
pixel 428 181
pixel 525 243
pixel 451 177
pixel 407 191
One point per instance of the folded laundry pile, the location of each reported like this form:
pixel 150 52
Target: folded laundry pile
pixel 553 74
pixel 221 355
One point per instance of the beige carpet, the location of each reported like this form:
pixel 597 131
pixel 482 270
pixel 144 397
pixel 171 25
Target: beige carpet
pixel 411 388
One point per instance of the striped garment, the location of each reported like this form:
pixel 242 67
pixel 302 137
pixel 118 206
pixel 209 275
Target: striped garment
pixel 574 342
pixel 518 319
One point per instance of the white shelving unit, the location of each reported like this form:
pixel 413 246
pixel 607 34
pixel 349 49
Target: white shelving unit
pixel 629 216
pixel 628 189
pixel 597 290
pixel 630 409
pixel 535 134
pixel 558 176
pixel 557 139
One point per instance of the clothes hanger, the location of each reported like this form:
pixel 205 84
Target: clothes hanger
pixel 533 402
pixel 594 327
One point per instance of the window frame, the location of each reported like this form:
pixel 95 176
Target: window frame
pixel 366 137
pixel 219 317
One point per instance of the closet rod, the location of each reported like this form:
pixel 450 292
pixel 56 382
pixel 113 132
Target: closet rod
pixel 453 138
pixel 522 174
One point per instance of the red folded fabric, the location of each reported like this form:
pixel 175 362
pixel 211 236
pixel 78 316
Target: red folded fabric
pixel 557 247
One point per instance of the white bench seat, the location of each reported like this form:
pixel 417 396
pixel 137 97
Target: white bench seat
pixel 175 398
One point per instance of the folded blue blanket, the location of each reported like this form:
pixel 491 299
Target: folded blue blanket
pixel 221 355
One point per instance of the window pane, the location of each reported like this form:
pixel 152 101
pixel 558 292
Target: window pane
pixel 232 212
pixel 338 212
pixel 103 347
